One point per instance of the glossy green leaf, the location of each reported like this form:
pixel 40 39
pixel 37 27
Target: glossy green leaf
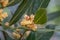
pixel 44 3
pixel 42 34
pixel 20 11
pixel 7 36
pixel 8 18
pixel 31 36
pixel 40 16
pixel 14 2
pixel 37 4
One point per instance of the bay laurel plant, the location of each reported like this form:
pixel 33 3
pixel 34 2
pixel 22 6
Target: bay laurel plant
pixel 34 18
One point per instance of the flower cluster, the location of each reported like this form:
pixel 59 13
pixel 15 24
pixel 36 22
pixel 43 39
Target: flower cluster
pixel 3 15
pixel 4 3
pixel 16 34
pixel 28 21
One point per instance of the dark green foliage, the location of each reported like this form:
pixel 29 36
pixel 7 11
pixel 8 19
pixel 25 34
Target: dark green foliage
pixel 40 16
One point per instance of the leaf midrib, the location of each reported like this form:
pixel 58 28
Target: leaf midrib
pixel 40 17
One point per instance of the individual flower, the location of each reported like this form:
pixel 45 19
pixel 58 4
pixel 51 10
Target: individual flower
pixel 12 26
pixel 28 21
pixel 3 15
pixel 32 17
pixel 16 35
pixel 26 17
pixel 6 24
pixel 18 30
pixel 27 33
pixel 32 27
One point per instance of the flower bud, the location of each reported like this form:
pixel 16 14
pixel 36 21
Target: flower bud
pixel 1 10
pixel 18 30
pixel 32 17
pixel 26 17
pixel 32 27
pixel 27 33
pixel 5 15
pixel 1 19
pixel 16 35
pixel 6 24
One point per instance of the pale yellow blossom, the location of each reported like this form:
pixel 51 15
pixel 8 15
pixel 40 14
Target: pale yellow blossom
pixel 32 17
pixel 2 15
pixel 25 22
pixel 16 35
pixel 6 24
pixel 4 2
pixel 27 33
pixel 26 17
pixel 18 30
pixel 32 27
pixel 29 23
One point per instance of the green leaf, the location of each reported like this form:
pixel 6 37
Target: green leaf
pixel 14 2
pixel 7 36
pixel 8 18
pixel 40 16
pixel 44 3
pixel 0 5
pixel 42 35
pixel 31 36
pixel 57 20
pixel 9 14
pixel 37 4
pixel 20 11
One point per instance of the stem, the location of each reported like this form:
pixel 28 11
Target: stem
pixel 26 34
pixel 0 23
pixel 4 35
pixel 39 29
